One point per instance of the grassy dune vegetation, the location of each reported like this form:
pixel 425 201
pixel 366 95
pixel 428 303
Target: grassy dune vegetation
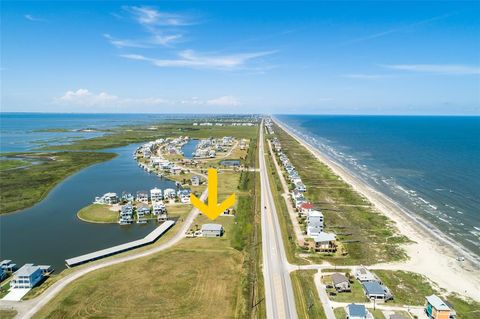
pixel 11 164
pixel 22 188
pixel 97 213
pixel 367 236
pixel 307 300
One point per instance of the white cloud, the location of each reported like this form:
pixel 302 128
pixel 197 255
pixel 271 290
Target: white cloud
pixel 32 18
pixel 189 58
pixel 149 16
pixel 84 97
pixel 448 69
pixel 124 43
pixel 226 100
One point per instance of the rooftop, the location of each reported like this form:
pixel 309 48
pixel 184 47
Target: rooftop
pixel 27 270
pixel 356 310
pixel 324 237
pixel 373 288
pixel 212 227
pixel 437 303
pixel 339 278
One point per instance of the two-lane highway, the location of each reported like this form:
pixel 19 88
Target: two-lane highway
pixel 280 300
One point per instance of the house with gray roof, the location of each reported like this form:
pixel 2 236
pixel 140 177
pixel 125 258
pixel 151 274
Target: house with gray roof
pixel 212 230
pixel 374 290
pixel 340 282
pixel 27 276
pixel 355 311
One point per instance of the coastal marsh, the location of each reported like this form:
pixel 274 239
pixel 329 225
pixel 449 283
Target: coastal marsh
pixel 22 188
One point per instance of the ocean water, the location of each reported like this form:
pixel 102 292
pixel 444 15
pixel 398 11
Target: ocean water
pixel 430 165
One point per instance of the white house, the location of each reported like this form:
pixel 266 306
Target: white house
pixel 314 216
pixel 212 230
pixel 156 194
pixel 195 180
pixel 364 275
pixel 169 193
pixel 325 242
pixel 107 199
pixel 126 214
pixel 142 196
pixel 159 208
pixel 27 276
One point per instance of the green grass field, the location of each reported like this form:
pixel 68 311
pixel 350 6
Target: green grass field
pixel 22 188
pixel 7 314
pixel 307 300
pixel 199 277
pixel 367 236
pixel 11 164
pixel 98 213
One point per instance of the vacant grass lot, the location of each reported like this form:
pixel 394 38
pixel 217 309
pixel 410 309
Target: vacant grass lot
pixel 22 188
pixel 98 213
pixel 307 300
pixel 367 236
pixel 7 314
pixel 356 295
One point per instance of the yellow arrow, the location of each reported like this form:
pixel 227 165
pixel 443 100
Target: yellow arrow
pixel 213 209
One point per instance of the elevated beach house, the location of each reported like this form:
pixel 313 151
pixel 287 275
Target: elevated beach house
pixel 375 290
pixel 26 277
pixel 142 196
pixel 126 214
pixel 156 194
pixel 212 230
pixel 142 210
pixel 107 199
pixel 363 274
pixel 340 282
pixel 195 180
pixel 325 242
pixel 436 308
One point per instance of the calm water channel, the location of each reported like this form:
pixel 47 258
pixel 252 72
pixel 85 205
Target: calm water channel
pixel 50 231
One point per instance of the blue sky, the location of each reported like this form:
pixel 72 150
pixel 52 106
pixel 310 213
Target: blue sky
pixel 241 57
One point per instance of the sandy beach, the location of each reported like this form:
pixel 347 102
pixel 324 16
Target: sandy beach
pixel 429 255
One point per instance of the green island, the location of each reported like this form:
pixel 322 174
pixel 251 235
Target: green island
pixel 98 213
pixel 22 188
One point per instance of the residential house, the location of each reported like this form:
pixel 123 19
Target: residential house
pixel 107 199
pixel 26 277
pixel 364 275
pixel 175 170
pixel 3 274
pixel 314 228
pixel 128 197
pixel 142 210
pixel 212 230
pixel 315 216
pixel 195 180
pixel 306 207
pixel 357 312
pixel 158 208
pixel 340 282
pixel 374 290
pixel 126 214
pixel 325 242
pixel 169 193
pixel 436 308
pixel 142 196
pixel 156 194
pixel 7 265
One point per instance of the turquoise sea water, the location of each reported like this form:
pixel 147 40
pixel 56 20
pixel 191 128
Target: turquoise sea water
pixel 430 165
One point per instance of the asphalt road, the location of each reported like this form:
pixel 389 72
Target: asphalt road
pixel 279 297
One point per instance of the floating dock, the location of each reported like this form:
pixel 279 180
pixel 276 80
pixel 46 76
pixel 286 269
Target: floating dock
pixel 150 238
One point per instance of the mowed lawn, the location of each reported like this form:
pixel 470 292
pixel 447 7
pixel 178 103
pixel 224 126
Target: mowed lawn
pixel 200 277
pixel 98 213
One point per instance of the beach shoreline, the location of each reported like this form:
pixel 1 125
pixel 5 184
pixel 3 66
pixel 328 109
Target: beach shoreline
pixel 429 254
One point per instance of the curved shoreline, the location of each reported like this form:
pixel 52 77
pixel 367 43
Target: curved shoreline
pixel 434 259
pixel 91 221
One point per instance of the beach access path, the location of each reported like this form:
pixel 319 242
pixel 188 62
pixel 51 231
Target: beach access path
pixel 429 255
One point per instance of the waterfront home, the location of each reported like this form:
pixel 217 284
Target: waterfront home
pixel 354 311
pixel 107 199
pixel 26 277
pixel 7 265
pixel 374 290
pixel 212 154
pixel 126 214
pixel 142 210
pixel 156 194
pixel 3 274
pixel 325 242
pixel 212 230
pixel 436 308
pixel 340 282
pixel 169 193
pixel 363 274
pixel 128 197
pixel 142 196
pixel 159 208
pixel 300 186
pixel 195 180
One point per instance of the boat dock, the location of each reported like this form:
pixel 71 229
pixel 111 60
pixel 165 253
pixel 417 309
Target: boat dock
pixel 150 238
